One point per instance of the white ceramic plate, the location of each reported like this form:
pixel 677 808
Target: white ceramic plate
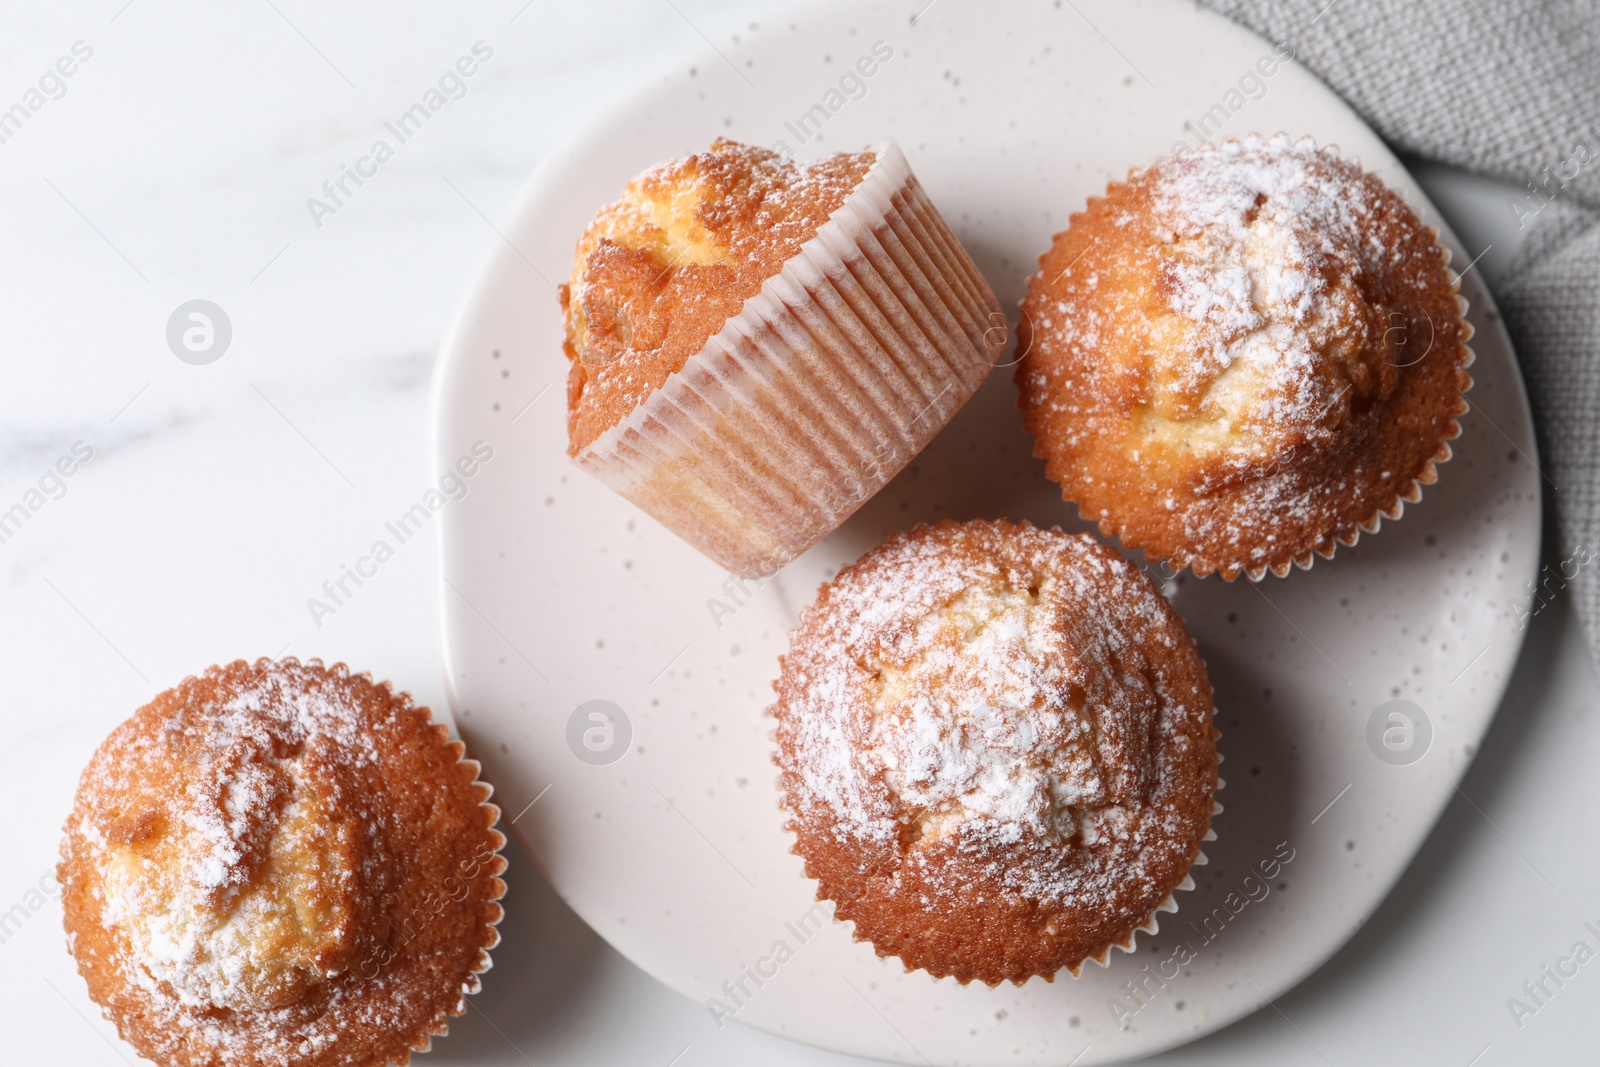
pixel 557 592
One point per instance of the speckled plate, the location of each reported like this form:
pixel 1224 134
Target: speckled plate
pixel 658 821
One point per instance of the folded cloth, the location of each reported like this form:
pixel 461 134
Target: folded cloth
pixel 1511 89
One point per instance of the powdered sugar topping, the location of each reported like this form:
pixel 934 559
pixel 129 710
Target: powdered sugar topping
pixel 215 908
pixel 997 691
pixel 255 871
pixel 1268 253
pixel 977 724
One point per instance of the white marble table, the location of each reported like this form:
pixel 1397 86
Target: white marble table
pixel 175 163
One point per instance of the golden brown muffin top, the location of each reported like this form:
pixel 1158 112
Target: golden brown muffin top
pixel 1242 354
pixel 281 864
pixel 996 748
pixel 657 273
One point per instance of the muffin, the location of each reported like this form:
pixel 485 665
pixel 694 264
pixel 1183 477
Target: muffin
pixel 1242 356
pixel 755 346
pixel 281 863
pixel 996 750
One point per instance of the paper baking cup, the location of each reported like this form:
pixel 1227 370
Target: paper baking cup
pixel 825 384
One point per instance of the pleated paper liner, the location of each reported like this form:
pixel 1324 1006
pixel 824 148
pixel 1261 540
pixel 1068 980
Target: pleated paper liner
pixel 827 383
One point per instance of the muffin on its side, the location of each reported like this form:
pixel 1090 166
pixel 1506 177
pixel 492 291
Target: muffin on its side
pixel 1243 356
pixel 755 347
pixel 281 863
pixel 996 750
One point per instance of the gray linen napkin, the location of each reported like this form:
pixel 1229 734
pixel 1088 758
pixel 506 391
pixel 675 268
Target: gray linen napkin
pixel 1509 88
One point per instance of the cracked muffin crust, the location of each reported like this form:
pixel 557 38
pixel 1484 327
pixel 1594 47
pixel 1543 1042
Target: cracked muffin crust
pixel 996 749
pixel 1242 356
pixel 660 271
pixel 281 864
